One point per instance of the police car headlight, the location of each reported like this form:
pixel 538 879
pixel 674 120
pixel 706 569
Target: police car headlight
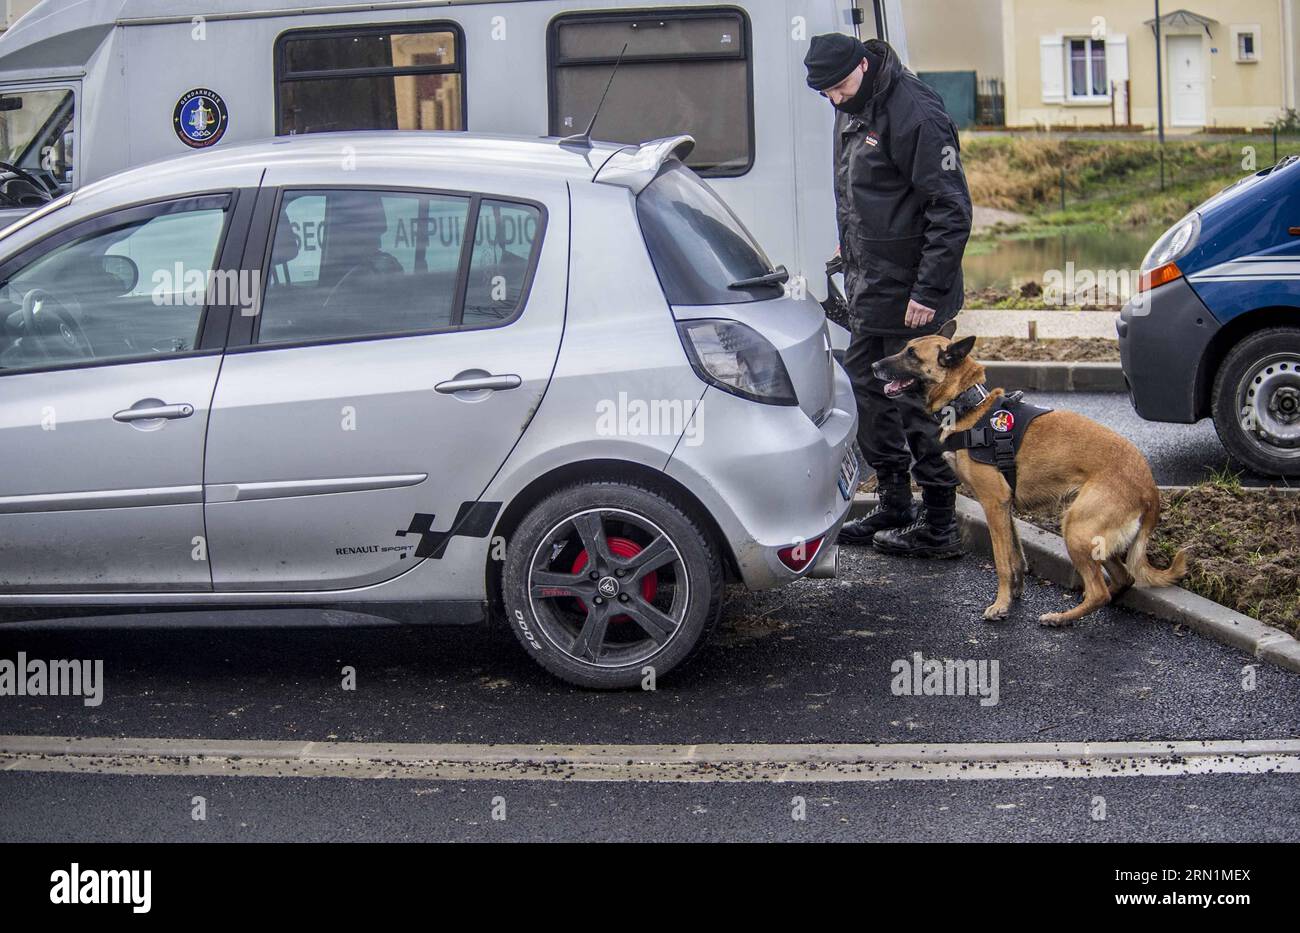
pixel 1175 244
pixel 737 359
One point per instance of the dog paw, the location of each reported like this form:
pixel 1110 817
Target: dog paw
pixel 1054 619
pixel 995 612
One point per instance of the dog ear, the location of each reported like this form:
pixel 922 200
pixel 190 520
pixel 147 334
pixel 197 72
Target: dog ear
pixel 954 353
pixel 948 329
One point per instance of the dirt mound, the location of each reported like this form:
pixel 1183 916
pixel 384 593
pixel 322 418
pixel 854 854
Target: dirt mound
pixel 1067 349
pixel 1244 548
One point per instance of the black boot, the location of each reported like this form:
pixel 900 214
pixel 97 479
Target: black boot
pixel 894 511
pixel 935 534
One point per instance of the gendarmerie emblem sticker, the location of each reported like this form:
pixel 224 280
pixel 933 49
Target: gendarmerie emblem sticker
pixel 200 118
pixel 1002 421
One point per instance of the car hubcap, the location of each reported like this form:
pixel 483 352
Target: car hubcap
pixel 1268 401
pixel 608 587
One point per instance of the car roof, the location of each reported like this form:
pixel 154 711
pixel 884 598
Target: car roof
pixel 516 158
pixel 240 164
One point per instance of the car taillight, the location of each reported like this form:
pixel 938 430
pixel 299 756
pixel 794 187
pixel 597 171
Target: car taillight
pixel 737 359
pixel 798 556
pixel 1159 276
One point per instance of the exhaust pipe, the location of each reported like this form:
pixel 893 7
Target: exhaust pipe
pixel 828 563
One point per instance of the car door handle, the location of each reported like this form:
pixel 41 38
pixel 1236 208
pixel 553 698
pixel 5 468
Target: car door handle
pixel 154 412
pixel 478 384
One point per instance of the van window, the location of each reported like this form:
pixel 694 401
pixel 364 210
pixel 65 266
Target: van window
pixel 698 246
pixel 36 134
pixel 408 77
pixel 684 71
pixel 347 263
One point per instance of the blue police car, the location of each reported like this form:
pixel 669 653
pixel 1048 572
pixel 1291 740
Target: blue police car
pixel 1214 329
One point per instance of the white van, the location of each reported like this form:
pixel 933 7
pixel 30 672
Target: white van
pixel 92 87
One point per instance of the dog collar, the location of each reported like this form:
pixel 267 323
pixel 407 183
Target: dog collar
pixel 968 401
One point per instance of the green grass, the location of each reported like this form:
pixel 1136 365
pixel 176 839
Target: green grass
pixel 1108 183
pixel 1224 478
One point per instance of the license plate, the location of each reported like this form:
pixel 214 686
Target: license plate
pixel 848 474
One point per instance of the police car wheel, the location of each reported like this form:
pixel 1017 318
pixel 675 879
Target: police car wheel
pixel 1256 402
pixel 611 585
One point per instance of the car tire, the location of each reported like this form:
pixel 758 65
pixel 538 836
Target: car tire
pixel 552 592
pixel 1259 382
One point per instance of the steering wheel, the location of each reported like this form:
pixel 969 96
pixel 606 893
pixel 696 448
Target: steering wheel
pixel 52 327
pixel 42 190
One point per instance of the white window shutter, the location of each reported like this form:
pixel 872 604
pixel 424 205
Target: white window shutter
pixel 1116 58
pixel 1051 50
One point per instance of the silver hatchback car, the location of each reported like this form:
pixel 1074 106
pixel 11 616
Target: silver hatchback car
pixel 496 377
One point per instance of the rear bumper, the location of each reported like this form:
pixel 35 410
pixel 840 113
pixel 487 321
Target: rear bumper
pixel 1163 335
pixel 769 477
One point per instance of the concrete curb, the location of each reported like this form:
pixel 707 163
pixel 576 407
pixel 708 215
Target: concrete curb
pixel 705 763
pixel 1284 489
pixel 1056 377
pixel 1049 560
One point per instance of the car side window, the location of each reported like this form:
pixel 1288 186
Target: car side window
pixel 348 263
pixel 505 240
pixel 131 291
pixel 351 263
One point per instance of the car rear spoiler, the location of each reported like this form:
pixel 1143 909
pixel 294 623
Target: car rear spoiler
pixel 634 167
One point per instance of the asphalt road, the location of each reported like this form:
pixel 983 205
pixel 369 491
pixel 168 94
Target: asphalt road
pixel 113 808
pixel 810 663
pixel 1180 454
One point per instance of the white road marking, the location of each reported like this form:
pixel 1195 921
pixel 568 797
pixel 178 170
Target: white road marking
pixel 665 763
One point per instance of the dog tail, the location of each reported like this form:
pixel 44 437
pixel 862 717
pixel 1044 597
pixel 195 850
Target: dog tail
pixel 1136 563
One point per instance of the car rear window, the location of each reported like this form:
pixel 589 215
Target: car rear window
pixel 698 246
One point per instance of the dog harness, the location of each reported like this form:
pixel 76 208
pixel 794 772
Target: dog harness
pixel 995 439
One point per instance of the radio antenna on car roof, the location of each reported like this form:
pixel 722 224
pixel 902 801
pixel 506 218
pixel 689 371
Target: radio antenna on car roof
pixel 583 140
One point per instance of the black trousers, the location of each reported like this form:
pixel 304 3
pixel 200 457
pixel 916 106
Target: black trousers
pixel 897 435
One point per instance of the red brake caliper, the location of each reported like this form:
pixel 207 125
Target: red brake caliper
pixel 622 547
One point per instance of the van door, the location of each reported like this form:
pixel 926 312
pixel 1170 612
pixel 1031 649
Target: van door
pixel 108 361
pixel 404 340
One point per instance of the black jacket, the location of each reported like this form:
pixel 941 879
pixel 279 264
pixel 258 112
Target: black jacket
pixel 901 201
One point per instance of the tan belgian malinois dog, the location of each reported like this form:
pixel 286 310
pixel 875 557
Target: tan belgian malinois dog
pixel 1111 503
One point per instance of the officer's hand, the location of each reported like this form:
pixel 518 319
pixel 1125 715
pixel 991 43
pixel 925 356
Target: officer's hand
pixel 918 315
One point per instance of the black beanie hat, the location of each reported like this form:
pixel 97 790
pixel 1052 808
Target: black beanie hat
pixel 830 58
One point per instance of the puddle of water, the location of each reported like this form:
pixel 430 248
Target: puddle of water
pixel 1013 262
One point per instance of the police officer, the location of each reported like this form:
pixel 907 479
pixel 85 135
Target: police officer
pixel 904 215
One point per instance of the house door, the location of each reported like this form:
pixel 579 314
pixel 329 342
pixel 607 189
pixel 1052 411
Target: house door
pixel 1186 81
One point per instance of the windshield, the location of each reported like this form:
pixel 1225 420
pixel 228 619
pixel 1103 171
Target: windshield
pixel 698 246
pixel 36 132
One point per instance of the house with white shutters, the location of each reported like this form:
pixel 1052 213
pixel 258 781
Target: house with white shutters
pixel 1222 64
pixel 1091 63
